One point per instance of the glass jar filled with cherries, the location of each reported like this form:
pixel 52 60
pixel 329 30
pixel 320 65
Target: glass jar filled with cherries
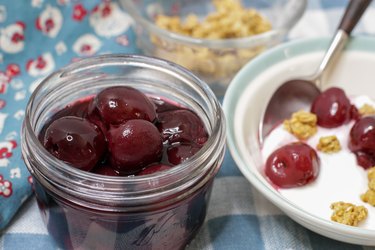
pixel 123 150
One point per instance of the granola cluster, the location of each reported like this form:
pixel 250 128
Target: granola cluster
pixel 347 213
pixel 229 20
pixel 302 124
pixel 369 196
pixel 366 109
pixel 329 144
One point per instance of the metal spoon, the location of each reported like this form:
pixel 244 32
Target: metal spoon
pixel 297 94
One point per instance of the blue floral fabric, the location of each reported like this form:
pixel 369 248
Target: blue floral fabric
pixel 36 38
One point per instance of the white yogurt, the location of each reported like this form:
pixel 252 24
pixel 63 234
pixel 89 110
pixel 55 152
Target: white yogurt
pixel 340 177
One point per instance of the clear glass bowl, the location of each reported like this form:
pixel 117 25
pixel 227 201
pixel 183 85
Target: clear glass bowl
pixel 214 61
pixel 83 210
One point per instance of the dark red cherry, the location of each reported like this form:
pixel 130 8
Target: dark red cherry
pixel 180 152
pixel 365 159
pixel 332 108
pixel 133 145
pixel 78 108
pixel 154 168
pixel 106 170
pixel 362 141
pixel 93 116
pixel 362 135
pixel 182 126
pixel 119 104
pixel 292 165
pixel 76 141
pixel 354 113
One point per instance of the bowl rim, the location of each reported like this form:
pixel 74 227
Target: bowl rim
pixel 237 86
pixel 243 42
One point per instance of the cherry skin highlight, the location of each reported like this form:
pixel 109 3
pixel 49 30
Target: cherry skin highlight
pixel 133 145
pixel 292 165
pixel 75 141
pixel 332 108
pixel 181 126
pixel 118 104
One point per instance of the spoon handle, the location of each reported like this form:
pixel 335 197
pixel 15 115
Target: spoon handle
pixel 352 14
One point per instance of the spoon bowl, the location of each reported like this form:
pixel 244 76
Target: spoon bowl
pixel 290 97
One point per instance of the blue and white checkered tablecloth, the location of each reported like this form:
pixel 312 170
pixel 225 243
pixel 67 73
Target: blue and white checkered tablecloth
pixel 39 36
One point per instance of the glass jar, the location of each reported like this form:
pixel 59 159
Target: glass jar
pixel 83 210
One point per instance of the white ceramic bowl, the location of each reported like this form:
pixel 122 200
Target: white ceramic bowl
pixel 246 100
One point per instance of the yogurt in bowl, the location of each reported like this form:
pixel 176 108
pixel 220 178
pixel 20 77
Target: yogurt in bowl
pixel 247 98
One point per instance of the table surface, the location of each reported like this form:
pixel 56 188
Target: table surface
pixel 238 216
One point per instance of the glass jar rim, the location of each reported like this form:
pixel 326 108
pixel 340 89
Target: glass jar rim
pixel 215 140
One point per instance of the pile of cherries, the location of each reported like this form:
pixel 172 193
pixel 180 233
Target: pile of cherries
pixel 297 164
pixel 122 132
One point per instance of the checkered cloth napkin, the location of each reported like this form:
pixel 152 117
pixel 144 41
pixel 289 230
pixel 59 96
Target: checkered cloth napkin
pixel 39 36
